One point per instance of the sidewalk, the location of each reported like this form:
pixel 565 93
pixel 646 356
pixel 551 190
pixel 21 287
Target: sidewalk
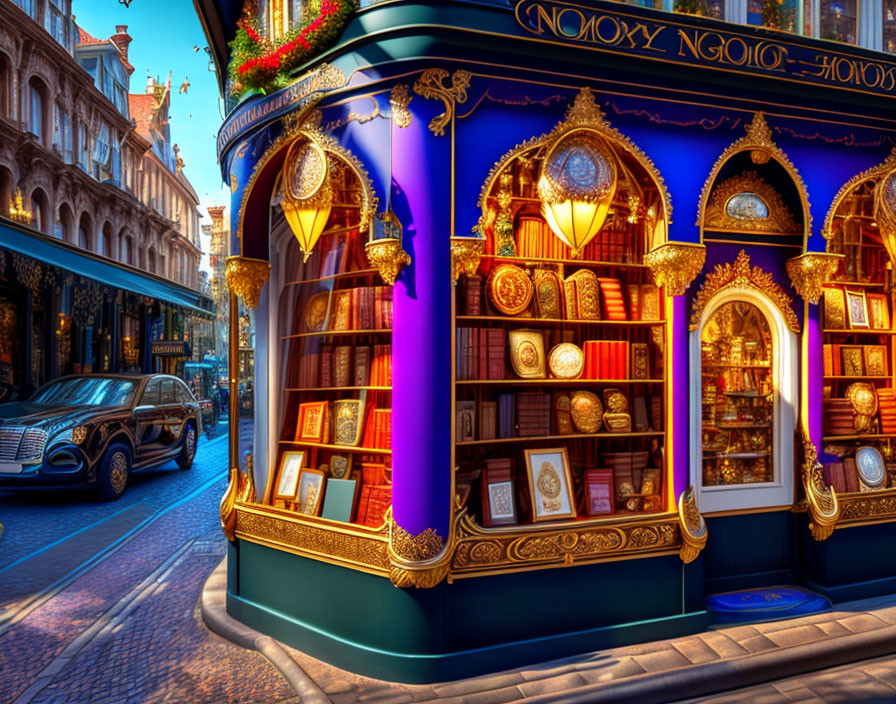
pixel 662 671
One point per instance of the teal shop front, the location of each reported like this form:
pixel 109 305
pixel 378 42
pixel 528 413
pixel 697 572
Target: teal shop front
pixel 542 302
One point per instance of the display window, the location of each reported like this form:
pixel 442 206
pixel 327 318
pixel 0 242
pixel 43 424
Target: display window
pixel 839 20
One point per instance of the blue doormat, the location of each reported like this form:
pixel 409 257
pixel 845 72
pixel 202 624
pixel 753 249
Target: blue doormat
pixel 766 604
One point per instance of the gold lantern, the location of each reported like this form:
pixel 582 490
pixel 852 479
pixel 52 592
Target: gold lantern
pixel 307 194
pixel 576 186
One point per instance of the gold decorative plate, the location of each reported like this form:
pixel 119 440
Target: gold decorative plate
pixel 615 401
pixel 863 398
pixel 548 293
pixel 509 289
pixel 316 311
pixel 566 361
pixel 587 411
pixel 527 353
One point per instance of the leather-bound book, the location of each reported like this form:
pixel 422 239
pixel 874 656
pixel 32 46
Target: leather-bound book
pixel 482 353
pixel 838 477
pixel 604 365
pixel 378 307
pixel 342 365
pixel 533 413
pixel 850 474
pixel 656 413
pixel 598 491
pixel 387 308
pixel 362 366
pixel 827 356
pixel 633 293
pixel 570 300
pixel 366 308
pixel 836 360
pixel 640 423
pixel 472 295
pixel 326 367
pixel 497 353
pixel 611 293
pixel 886 399
pixel 488 420
pixel 506 416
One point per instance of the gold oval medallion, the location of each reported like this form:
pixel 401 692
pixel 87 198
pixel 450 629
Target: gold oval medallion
pixel 587 411
pixel 509 289
pixel 566 361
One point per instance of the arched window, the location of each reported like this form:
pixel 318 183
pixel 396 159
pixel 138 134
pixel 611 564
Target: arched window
pixel 5 191
pixel 127 250
pixel 105 242
pixel 40 211
pixel 85 232
pixel 64 222
pixel 38 118
pixel 151 260
pixel 5 85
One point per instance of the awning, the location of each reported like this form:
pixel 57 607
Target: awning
pixel 60 254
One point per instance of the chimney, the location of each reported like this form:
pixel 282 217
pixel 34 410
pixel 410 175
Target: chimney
pixel 121 39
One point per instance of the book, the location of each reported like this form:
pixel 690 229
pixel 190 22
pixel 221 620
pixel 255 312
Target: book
pixel 471 288
pixel 362 366
pixel 533 413
pixel 339 499
pixel 326 366
pixel 850 474
pixel 348 415
pixel 373 504
pixel 611 295
pixel 650 302
pixel 497 353
pixel 342 365
pixel 382 428
pixel 465 421
pixel 488 420
pixel 827 359
pixel 633 296
pixel 506 416
pixel 598 491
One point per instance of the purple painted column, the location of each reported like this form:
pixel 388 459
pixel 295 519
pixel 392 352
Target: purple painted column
pixel 813 373
pixel 679 387
pixel 421 338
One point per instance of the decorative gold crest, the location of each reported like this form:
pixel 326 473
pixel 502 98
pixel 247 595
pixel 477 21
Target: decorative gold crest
pixel 747 202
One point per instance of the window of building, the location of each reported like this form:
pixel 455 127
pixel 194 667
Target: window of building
pixel 63 226
pixel 83 145
pixel 54 22
pixel 5 85
pixel 101 153
pixel 85 232
pixel 40 211
pixel 889 25
pixel 27 5
pixel 838 20
pixel 37 109
pixel 780 14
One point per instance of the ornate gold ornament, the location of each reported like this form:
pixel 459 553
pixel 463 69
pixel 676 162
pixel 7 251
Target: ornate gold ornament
pixel 867 507
pixel 876 173
pixel 747 202
pixel 387 257
pixel 240 489
pixel 18 211
pixel 674 265
pixel 466 252
pixel 693 527
pixel 808 272
pixel 307 192
pixel 759 143
pixel 29 272
pixel 741 276
pixel 400 99
pixel 583 116
pixel 246 277
pixel 431 85
pixel 421 560
pixel 822 501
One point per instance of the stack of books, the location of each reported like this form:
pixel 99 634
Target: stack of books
pixel 533 413
pixel 606 359
pixel 480 353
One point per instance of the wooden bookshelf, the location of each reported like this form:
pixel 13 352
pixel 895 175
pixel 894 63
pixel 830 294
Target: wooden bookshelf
pixel 558 321
pixel 340 448
pixel 571 436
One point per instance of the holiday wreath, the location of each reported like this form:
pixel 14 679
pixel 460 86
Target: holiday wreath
pixel 258 63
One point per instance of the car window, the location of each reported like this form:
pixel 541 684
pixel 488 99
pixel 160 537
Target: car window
pixel 150 394
pixel 168 395
pixel 184 395
pixel 86 391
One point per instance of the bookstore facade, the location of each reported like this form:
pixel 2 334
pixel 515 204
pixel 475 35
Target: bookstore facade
pixel 551 346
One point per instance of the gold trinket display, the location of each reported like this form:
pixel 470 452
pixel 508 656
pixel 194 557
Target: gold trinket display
pixel 587 411
pixel 616 417
pixel 509 289
pixel 863 399
pixel 548 294
pixel 527 353
pixel 566 361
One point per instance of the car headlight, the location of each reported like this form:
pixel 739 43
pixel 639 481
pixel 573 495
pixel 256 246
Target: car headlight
pixel 79 433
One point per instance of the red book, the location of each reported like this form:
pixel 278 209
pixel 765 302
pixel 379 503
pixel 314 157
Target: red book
pixel 378 308
pixel 379 501
pixel 603 367
pixel 355 315
pixel 496 353
pixel 387 307
pixel 623 360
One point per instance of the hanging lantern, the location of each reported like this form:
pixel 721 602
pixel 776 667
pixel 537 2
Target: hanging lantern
pixel 307 195
pixel 576 186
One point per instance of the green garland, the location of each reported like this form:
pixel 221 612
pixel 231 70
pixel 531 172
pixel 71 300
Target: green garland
pixel 259 64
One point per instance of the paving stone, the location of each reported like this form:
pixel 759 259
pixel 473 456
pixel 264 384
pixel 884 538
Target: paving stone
pixel 861 623
pixel 554 684
pixel 723 645
pixel 496 696
pixel 757 644
pixel 834 629
pixel 478 684
pixel 739 633
pixel 799 635
pixel 695 650
pixel 663 660
pixel 623 668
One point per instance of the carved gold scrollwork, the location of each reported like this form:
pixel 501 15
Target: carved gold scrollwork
pixel 809 271
pixel 675 264
pixel 432 85
pixel 740 275
pixel 387 256
pixel 246 277
pixel 466 253
pixel 421 560
pixel 693 527
pixel 400 99
pixel 824 507
pixel 875 172
pixel 777 220
pixel 240 490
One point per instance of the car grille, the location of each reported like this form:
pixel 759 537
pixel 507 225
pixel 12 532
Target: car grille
pixel 22 444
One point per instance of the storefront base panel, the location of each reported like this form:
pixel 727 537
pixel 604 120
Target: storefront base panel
pixel 749 551
pixel 853 563
pixel 362 623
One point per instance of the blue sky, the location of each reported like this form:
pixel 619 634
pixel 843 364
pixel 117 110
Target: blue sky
pixel 165 32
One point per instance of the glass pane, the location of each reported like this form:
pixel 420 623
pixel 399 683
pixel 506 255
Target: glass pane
pixel 737 396
pixel 168 395
pixel 150 394
pixel 773 14
pixel 838 20
pixel 704 8
pixel 889 25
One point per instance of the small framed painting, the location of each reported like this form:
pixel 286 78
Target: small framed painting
pixel 870 465
pixel 499 506
pixel 878 311
pixel 876 360
pixel 852 360
pixel 311 491
pixel 288 475
pixel 857 309
pixel 550 484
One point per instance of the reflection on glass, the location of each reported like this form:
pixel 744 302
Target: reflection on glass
pixel 776 14
pixel 746 206
pixel 839 20
pixel 737 396
pixel 704 8
pixel 889 25
pixel 246 384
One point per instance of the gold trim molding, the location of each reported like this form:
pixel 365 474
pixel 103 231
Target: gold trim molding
pixel 674 265
pixel 246 277
pixel 808 273
pixel 240 488
pixel 824 508
pixel 693 527
pixel 779 220
pixel 862 508
pixel 421 561
pixel 740 275
pixel 759 143
pixel 399 100
pixel 466 253
pixel 432 85
pixel 387 256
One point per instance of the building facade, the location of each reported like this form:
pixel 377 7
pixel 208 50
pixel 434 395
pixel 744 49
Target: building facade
pixel 89 170
pixel 568 316
pixel 219 240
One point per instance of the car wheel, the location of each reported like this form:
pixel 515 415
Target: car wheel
pixel 188 448
pixel 114 472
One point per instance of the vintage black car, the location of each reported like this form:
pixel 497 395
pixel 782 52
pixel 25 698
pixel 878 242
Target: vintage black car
pixel 97 429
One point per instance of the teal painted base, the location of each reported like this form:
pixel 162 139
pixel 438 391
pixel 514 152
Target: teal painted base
pixel 363 624
pixel 853 563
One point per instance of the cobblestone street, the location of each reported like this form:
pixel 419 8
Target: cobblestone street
pixel 98 601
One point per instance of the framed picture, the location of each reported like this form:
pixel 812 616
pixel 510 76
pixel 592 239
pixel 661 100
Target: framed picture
pixel 878 311
pixel 857 309
pixel 313 424
pixel 288 475
pixel 834 309
pixel 599 491
pixel 870 465
pixel 311 491
pixel 550 485
pixel 876 360
pixel 499 504
pixel 340 466
pixel 852 358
